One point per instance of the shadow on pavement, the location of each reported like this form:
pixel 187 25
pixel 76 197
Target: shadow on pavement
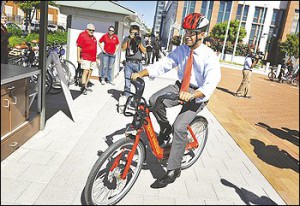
pixel 226 90
pixel 55 103
pixel 287 134
pixel 248 196
pixel 115 93
pixel 274 156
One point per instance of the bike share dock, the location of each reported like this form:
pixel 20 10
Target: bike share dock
pixel 53 166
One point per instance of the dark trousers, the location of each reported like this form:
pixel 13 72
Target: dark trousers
pixel 187 114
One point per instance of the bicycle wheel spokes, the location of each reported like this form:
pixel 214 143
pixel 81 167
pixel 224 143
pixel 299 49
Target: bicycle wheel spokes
pixel 199 128
pixel 105 185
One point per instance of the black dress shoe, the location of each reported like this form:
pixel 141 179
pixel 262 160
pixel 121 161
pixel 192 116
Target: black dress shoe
pixel 164 134
pixel 170 176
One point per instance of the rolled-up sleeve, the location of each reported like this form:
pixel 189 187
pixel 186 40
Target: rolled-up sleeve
pixel 165 64
pixel 212 77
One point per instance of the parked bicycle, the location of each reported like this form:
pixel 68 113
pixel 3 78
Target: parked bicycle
pixel 119 166
pixel 286 74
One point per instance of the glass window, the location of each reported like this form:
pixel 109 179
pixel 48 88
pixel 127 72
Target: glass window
pixel 295 24
pixel 210 8
pixel 224 11
pixel 257 24
pixel 276 22
pixel 245 13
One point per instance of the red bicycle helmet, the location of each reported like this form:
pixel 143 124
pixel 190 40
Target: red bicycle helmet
pixel 195 21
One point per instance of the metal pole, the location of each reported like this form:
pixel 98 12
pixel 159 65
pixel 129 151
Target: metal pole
pixel 226 31
pixel 207 8
pixel 261 25
pixel 186 10
pixel 42 61
pixel 169 36
pixel 237 36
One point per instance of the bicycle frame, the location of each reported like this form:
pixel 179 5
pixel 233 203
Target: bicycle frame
pixel 158 151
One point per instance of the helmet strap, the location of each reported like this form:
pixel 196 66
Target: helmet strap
pixel 197 39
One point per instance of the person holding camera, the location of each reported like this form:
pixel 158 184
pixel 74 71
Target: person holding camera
pixel 250 61
pixel 134 45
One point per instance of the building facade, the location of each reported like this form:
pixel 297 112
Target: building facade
pixel 16 15
pixel 266 22
pixel 158 16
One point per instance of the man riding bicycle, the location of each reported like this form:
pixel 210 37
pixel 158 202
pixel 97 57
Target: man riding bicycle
pixel 198 73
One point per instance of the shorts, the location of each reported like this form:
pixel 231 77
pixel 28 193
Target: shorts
pixel 85 64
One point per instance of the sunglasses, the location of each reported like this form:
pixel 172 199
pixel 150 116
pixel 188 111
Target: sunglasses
pixel 91 30
pixel 112 30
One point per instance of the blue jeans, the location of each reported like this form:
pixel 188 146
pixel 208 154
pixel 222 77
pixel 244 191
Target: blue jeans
pixel 130 68
pixel 108 61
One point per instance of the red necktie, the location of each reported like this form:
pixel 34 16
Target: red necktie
pixel 187 73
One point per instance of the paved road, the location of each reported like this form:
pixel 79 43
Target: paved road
pixel 52 167
pixel 266 127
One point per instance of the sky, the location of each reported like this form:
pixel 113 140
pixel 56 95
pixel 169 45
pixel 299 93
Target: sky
pixel 145 8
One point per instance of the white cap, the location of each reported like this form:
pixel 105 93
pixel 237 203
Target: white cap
pixel 90 26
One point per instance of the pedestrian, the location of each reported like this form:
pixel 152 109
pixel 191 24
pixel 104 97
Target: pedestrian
pixel 199 74
pixel 134 45
pixel 4 39
pixel 110 41
pixel 149 50
pixel 86 54
pixel 156 49
pixel 207 41
pixel 244 88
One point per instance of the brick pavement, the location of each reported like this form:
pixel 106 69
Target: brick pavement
pixel 52 167
pixel 271 137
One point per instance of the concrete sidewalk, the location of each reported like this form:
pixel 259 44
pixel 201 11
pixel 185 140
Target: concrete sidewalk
pixel 52 167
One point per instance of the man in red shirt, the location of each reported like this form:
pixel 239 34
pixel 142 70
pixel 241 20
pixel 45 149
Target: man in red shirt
pixel 86 54
pixel 110 41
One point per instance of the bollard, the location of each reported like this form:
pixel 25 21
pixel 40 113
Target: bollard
pixel 278 70
pixel 267 67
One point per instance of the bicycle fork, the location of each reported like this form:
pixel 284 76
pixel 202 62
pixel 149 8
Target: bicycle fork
pixel 129 157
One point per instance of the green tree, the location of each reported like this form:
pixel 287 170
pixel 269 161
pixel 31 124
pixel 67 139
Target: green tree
pixel 290 47
pixel 219 31
pixel 27 7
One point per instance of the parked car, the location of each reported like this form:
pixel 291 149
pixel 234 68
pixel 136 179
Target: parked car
pixel 12 25
pixel 60 28
pixel 52 27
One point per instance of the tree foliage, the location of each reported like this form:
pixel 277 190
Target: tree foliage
pixel 219 31
pixel 290 47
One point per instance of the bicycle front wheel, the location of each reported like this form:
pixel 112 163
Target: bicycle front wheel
pixel 72 70
pixel 104 185
pixel 199 127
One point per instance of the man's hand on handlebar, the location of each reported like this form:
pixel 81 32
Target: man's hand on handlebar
pixel 186 96
pixel 134 76
pixel 140 74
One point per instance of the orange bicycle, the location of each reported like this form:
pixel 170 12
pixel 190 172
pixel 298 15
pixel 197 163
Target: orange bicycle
pixel 119 166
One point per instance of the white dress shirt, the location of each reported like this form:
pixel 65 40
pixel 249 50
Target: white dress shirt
pixel 206 72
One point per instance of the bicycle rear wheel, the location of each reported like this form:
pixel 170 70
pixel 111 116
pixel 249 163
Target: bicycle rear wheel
pixel 105 187
pixel 272 76
pixel 200 128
